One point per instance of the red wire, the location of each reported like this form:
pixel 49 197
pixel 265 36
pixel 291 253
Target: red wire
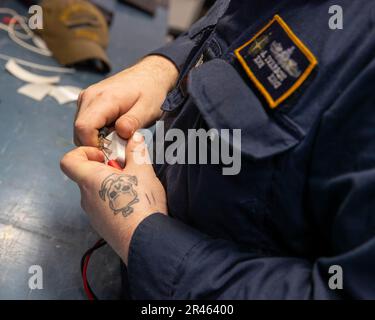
pixel 84 265
pixel 114 164
pixel 84 278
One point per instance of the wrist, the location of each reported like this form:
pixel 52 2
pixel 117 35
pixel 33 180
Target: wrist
pixel 164 70
pixel 124 241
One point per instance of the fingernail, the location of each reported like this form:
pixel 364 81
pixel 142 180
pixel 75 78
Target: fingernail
pixel 138 137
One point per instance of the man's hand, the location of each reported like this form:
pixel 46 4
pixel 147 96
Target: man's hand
pixel 116 201
pixel 131 100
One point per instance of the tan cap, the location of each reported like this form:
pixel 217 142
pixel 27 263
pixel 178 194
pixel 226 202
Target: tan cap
pixel 75 31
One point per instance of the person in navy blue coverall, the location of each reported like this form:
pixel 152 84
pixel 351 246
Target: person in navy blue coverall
pixel 304 200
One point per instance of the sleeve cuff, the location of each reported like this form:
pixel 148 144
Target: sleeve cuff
pixel 157 249
pixel 177 51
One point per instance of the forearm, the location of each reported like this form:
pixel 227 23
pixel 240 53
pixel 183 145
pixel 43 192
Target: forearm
pixel 161 69
pixel 183 263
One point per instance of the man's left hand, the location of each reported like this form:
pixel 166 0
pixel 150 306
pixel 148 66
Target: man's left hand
pixel 116 201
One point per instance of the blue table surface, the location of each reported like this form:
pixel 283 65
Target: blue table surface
pixel 41 222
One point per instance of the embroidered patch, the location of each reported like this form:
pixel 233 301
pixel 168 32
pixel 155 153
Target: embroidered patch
pixel 277 61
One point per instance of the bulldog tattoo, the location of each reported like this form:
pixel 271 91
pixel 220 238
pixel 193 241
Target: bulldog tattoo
pixel 119 190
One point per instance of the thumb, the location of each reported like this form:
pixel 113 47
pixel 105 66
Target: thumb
pixel 141 115
pixel 137 153
pixel 80 162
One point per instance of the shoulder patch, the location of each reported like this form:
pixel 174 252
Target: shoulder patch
pixel 276 61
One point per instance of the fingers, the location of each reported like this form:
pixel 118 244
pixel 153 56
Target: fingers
pixel 96 111
pixel 82 103
pixel 92 118
pixel 141 115
pixel 78 163
pixel 127 125
pixel 137 153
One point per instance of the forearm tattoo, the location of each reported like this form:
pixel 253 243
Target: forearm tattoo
pixel 120 192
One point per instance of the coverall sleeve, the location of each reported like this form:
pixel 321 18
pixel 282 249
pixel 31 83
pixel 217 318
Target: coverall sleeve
pixel 177 51
pixel 170 260
pixel 183 49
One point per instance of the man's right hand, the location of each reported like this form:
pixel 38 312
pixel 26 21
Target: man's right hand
pixel 131 100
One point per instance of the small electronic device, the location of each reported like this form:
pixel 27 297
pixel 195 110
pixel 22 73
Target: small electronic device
pixel 113 147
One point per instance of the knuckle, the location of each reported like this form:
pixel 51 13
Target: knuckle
pixel 135 121
pixel 80 125
pixel 79 150
pixel 81 96
pixel 129 122
pixel 106 97
pixel 62 163
pixel 65 161
pixel 120 126
pixel 87 93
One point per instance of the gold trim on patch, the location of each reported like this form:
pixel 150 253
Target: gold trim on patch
pixel 310 56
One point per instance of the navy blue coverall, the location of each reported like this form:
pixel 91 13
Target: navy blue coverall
pixel 305 197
